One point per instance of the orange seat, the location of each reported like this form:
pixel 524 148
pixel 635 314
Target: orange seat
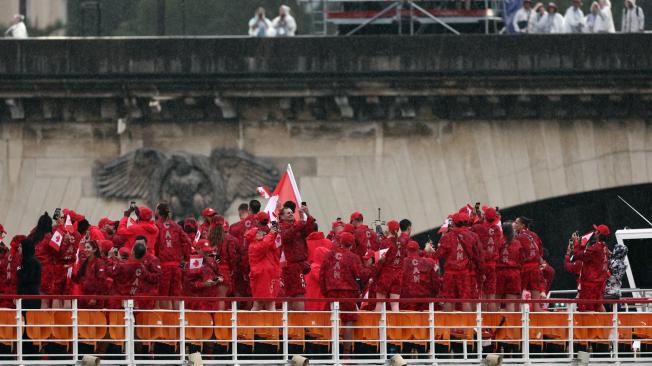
pixel 416 328
pixel 38 325
pixel 91 326
pixel 147 326
pixel 510 331
pixel 117 327
pixel 319 327
pixel 643 330
pixel 170 329
pixel 366 330
pixel 395 324
pixel 199 327
pixel 7 327
pixel 552 325
pixel 245 327
pixel 627 323
pixel 296 328
pixel 267 325
pixel 590 327
pixel 223 332
pixel 62 327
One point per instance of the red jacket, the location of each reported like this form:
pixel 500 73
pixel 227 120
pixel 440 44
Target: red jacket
pixel 152 275
pixel 316 240
pixel 208 271
pixel 595 263
pixel 172 245
pixel 531 247
pixel 365 240
pixel 313 286
pixel 239 228
pixel 8 267
pixel 420 278
pixel 132 277
pixel 264 258
pixel 293 239
pixel 340 271
pixel 93 280
pixel 491 237
pixel 139 228
pixel 510 256
pixel 459 248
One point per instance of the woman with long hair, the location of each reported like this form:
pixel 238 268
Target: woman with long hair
pixel 224 247
pixel 508 268
pixel 91 276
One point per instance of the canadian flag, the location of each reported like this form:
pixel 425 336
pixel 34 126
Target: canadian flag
pixel 264 192
pixel 444 227
pixel 587 237
pixel 196 262
pixel 379 254
pixel 286 190
pixel 57 239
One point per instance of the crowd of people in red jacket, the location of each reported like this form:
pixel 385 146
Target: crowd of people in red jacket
pixel 147 253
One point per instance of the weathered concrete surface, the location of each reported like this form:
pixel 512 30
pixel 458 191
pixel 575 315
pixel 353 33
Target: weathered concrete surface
pixel 422 175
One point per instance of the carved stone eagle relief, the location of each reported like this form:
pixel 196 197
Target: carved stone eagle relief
pixel 189 182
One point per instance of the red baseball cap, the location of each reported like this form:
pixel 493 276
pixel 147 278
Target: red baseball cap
pixel 105 221
pixel 145 213
pixel 413 245
pixel 356 216
pixel 460 218
pixel 393 225
pixel 347 238
pixel 123 251
pixel 602 229
pixel 208 212
pixel 337 223
pixel 262 216
pixel 105 245
pixel 348 228
pixel 207 248
pixel 490 213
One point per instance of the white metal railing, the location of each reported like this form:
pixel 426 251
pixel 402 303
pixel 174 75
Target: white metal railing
pixel 132 336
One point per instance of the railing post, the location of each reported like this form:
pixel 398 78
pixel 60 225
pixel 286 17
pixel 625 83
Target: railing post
pixel 129 331
pixel 478 328
pixel 286 347
pixel 335 331
pixel 75 329
pixel 431 330
pixel 19 331
pixel 182 330
pixel 383 332
pixel 525 331
pixel 615 328
pixel 571 326
pixel 234 332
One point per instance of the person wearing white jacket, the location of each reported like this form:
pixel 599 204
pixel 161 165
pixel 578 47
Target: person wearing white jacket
pixel 633 18
pixel 17 29
pixel 590 18
pixel 574 21
pixel 259 25
pixel 523 17
pixel 604 22
pixel 535 19
pixel 552 22
pixel 284 24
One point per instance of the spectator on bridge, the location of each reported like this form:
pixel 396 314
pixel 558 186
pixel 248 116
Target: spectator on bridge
pixel 604 22
pixel 523 17
pixel 259 25
pixel 551 22
pixel 535 20
pixel 574 21
pixel 18 28
pixel 284 24
pixel 633 18
pixel 589 21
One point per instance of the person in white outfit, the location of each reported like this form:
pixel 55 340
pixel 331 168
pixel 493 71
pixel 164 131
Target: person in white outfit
pixel 589 21
pixel 522 17
pixel 284 24
pixel 259 25
pixel 633 18
pixel 604 21
pixel 574 21
pixel 539 13
pixel 18 28
pixel 552 22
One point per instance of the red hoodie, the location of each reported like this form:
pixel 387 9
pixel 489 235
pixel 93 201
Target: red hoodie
pixel 172 245
pixel 365 240
pixel 313 289
pixel 316 240
pixel 293 238
pixel 139 228
pixel 340 271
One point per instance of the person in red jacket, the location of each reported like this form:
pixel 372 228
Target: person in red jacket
pixel 135 276
pixel 8 267
pixel 490 234
pixel 459 249
pixel 508 267
pixel 209 279
pixel 365 237
pixel 420 278
pixel 595 269
pixel 316 240
pixel 190 228
pixel 142 227
pixel 224 247
pixel 62 255
pixel 172 248
pixel 265 275
pixel 313 289
pixel 336 228
pixel 532 253
pixel 91 276
pixel 294 254
pixel 389 268
pixel 338 278
pixel 209 216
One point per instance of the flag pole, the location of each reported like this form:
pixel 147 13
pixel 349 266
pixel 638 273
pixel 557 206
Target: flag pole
pixel 633 209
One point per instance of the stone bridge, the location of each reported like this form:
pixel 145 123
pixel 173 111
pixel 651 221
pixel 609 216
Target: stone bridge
pixel 416 126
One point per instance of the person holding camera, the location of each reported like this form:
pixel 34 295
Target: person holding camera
pixel 18 28
pixel 142 226
pixel 265 274
pixel 259 25
pixel 594 268
pixel 365 237
pixel 284 24
pixel 523 17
